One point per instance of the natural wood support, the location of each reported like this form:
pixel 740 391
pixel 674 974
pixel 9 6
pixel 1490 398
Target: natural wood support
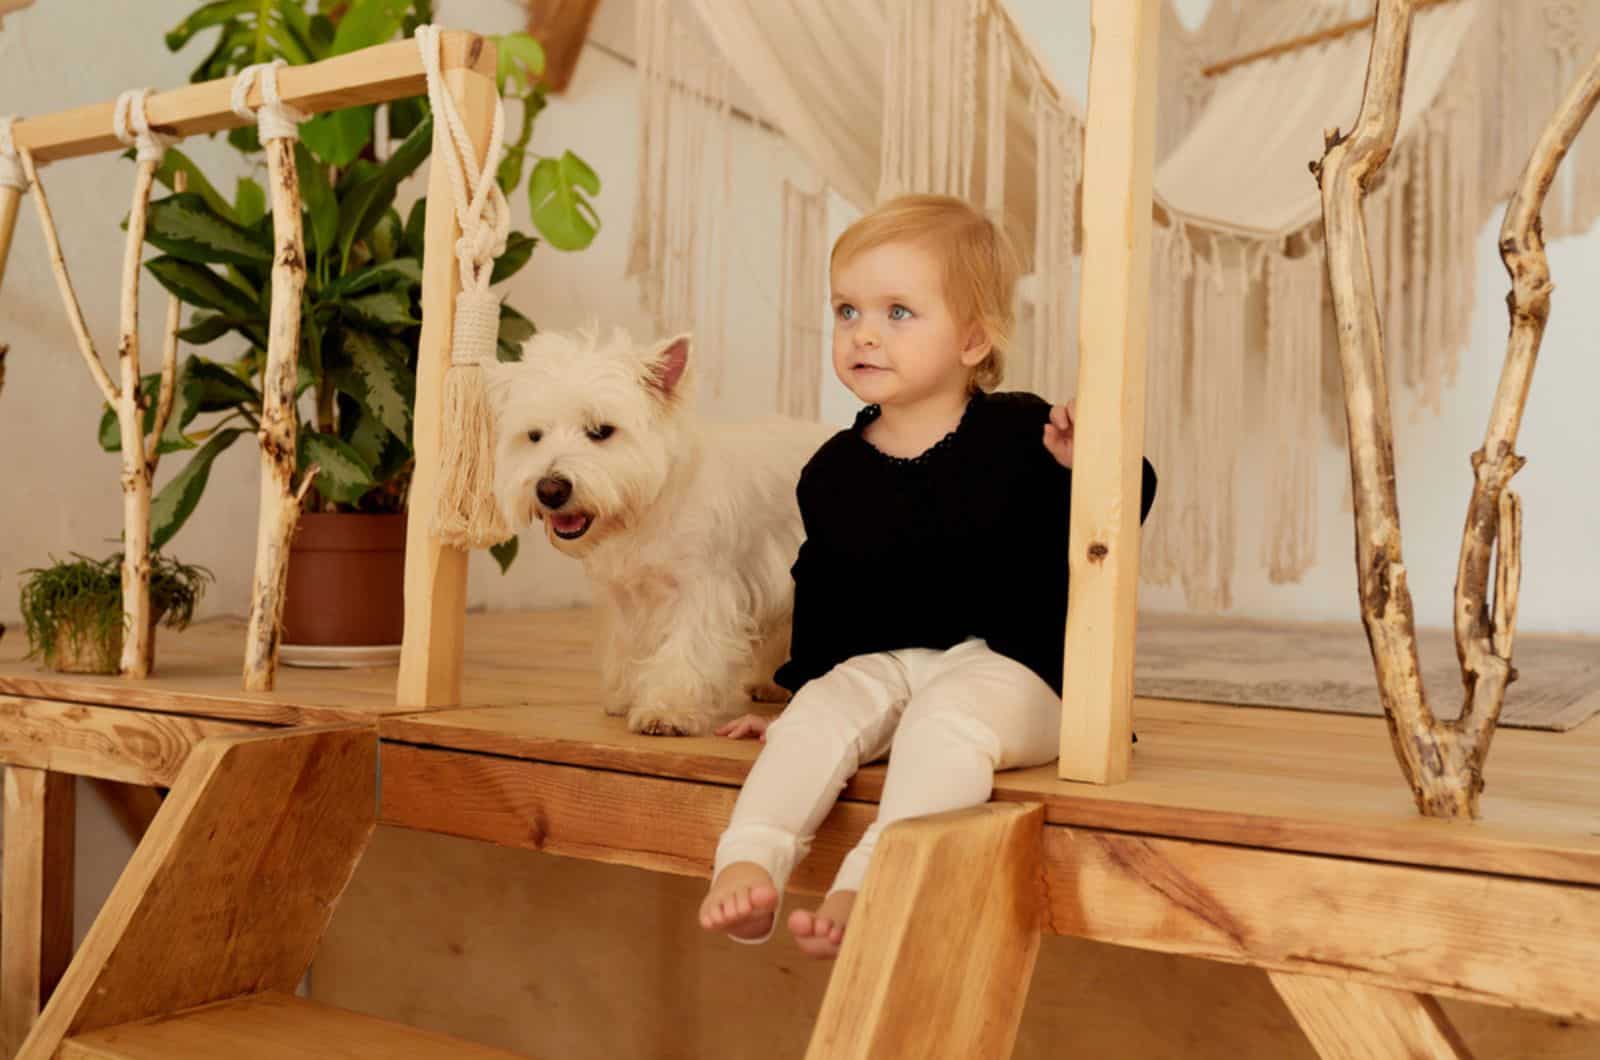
pixel 1103 553
pixel 942 942
pixel 279 509
pixel 561 27
pixel 436 574
pixel 36 880
pixel 1353 1021
pixel 372 75
pixel 10 203
pixel 106 743
pixel 217 902
pixel 1442 760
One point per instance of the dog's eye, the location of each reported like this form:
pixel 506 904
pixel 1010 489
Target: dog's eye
pixel 602 432
pixel 534 436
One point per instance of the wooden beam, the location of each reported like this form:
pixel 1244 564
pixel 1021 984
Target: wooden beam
pixel 1353 1021
pixel 232 888
pixel 1103 551
pixel 436 575
pixel 942 942
pixel 561 27
pixel 1308 40
pixel 10 201
pixel 102 742
pixel 372 75
pixel 35 896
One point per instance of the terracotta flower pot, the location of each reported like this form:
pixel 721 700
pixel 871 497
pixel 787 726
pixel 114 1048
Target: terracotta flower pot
pixel 346 580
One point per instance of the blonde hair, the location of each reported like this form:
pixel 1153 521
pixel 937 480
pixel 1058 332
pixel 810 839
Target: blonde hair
pixel 979 264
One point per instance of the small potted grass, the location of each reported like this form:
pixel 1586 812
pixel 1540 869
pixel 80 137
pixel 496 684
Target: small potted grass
pixel 72 610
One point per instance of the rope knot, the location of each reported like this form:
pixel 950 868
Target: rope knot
pixel 131 122
pixel 275 119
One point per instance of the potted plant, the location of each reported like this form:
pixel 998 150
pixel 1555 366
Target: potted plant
pixel 72 610
pixel 360 320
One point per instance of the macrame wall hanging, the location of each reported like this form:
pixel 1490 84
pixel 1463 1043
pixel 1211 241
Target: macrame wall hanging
pixel 889 96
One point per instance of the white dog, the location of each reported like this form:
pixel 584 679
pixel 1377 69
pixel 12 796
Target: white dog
pixel 687 530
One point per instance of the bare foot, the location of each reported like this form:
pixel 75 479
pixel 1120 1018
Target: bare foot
pixel 820 934
pixel 742 901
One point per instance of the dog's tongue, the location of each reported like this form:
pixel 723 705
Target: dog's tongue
pixel 568 522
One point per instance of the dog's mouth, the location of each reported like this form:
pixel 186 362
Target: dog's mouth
pixel 569 526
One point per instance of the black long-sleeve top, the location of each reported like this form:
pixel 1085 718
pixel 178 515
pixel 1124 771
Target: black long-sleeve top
pixel 967 540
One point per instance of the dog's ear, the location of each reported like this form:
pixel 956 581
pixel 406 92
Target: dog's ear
pixel 665 367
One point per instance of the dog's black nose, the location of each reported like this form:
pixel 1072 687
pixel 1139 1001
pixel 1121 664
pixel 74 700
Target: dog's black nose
pixel 553 492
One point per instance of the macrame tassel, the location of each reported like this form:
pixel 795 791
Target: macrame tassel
pixel 468 516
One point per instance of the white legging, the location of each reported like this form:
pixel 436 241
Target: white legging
pixel 953 717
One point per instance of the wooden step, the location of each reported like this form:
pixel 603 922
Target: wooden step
pixel 270 1027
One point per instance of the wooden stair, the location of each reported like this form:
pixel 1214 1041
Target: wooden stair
pixel 270 1027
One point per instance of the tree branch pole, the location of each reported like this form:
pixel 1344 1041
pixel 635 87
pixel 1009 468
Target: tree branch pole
pixel 280 499
pixel 169 358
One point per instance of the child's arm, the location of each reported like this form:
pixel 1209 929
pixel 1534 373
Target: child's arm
pixel 1058 432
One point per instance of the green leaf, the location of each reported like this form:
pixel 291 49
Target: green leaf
pixel 556 200
pixel 174 162
pixel 405 115
pixel 416 225
pixel 369 22
pixel 209 15
pixel 519 247
pixel 216 388
pixel 384 308
pixel 250 202
pixel 342 476
pixel 172 507
pixel 386 236
pixel 317 195
pixel 198 286
pixel 505 553
pixel 366 202
pixel 205 328
pixel 403 273
pixel 338 136
pixel 186 226
pixel 515 329
pixel 377 378
pixel 244 138
pixel 520 61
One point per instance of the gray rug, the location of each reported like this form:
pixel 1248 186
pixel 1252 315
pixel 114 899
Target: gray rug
pixel 1328 667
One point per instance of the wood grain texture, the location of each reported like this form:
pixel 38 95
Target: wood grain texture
pixel 272 1026
pixel 372 75
pixel 436 575
pixel 249 894
pixel 1103 551
pixel 103 742
pixel 561 26
pixel 1352 1021
pixel 10 203
pixel 1384 925
pixel 942 942
pixel 36 882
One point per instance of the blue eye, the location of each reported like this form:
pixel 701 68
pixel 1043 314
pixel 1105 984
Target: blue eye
pixel 899 312
pixel 847 311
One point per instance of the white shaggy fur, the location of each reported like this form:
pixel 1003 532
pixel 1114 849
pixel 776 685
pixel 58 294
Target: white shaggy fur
pixel 686 529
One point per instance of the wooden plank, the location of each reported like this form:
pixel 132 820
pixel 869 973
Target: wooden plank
pixel 1480 938
pixel 372 75
pixel 561 26
pixel 125 745
pixel 942 942
pixel 35 896
pixel 1103 554
pixel 10 201
pixel 244 864
pixel 1353 1021
pixel 271 1026
pixel 436 575
pixel 660 825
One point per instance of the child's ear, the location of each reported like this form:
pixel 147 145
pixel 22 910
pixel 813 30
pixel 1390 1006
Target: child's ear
pixel 978 347
pixel 666 365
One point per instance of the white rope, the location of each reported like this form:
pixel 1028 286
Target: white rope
pixel 11 174
pixel 275 119
pixel 480 205
pixel 131 112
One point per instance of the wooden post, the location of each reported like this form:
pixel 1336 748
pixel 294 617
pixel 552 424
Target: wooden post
pixel 942 944
pixel 10 203
pixel 560 27
pixel 1103 552
pixel 1346 1020
pixel 36 907
pixel 436 575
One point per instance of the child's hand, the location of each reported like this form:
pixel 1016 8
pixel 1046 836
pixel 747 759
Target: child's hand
pixel 1058 433
pixel 747 727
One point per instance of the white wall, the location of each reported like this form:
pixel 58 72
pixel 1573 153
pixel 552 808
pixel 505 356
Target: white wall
pixel 60 494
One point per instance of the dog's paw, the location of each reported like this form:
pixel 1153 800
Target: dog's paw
pixel 668 721
pixel 767 692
